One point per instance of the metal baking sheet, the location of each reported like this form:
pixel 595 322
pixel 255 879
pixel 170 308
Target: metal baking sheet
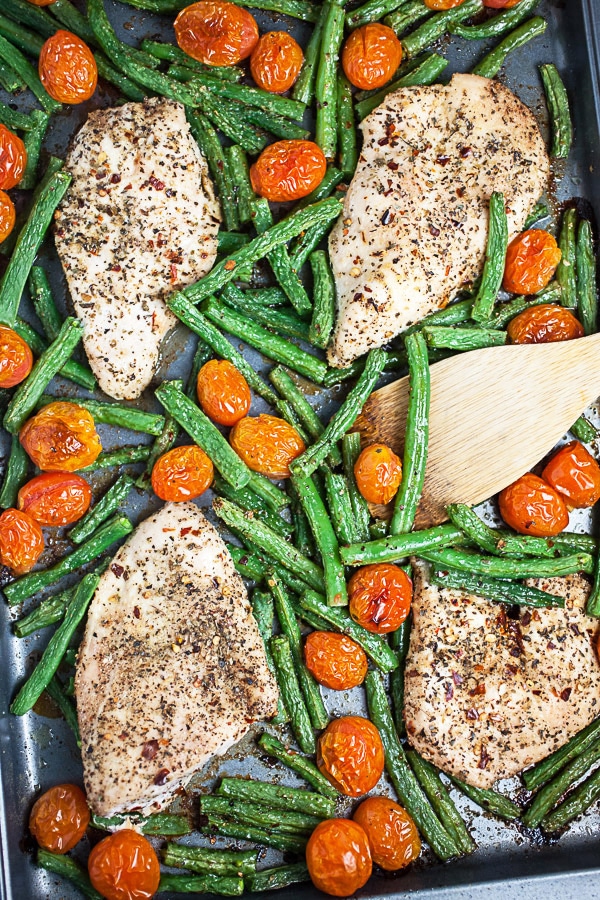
pixel 37 751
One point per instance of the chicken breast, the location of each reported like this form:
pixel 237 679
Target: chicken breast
pixel 139 221
pixel 487 695
pixel 172 669
pixel 415 220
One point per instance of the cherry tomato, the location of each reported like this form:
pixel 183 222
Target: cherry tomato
pixel 55 498
pixel 335 660
pixel 371 55
pixel 380 597
pixel 267 444
pixel 288 170
pixel 13 158
pixel 350 755
pixel 183 473
pixel 544 324
pixel 276 61
pixel 531 260
pixel 223 392
pixel 59 818
pixel 67 68
pixel 124 866
pixel 393 837
pixel 531 506
pixel 378 473
pixel 500 4
pixel 443 4
pixel 575 474
pixel 16 358
pixel 216 33
pixel 338 857
pixel 41 2
pixel 7 216
pixel 61 437
pixel 21 541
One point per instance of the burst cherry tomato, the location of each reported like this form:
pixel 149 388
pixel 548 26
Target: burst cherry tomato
pixel 531 506
pixel 575 474
pixel 21 541
pixel 335 660
pixel 267 444
pixel 443 4
pixel 216 33
pixel 393 837
pixel 55 498
pixel 182 474
pixel 16 358
pixel 380 597
pixel 371 55
pixel 288 170
pixel 223 392
pixel 61 437
pixel 13 158
pixel 59 818
pixel 276 61
pixel 531 260
pixel 544 324
pixel 350 755
pixel 67 68
pixel 124 866
pixel 338 857
pixel 378 473
pixel 7 216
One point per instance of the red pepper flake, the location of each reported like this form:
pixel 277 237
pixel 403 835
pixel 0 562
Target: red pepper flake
pixel 564 695
pixel 136 612
pixel 472 714
pixel 434 231
pixel 149 751
pixel 456 678
pixel 115 268
pixel 442 160
pixel 161 776
pixel 477 691
pixel 117 570
pixel 128 187
pixel 483 758
pixel 156 184
pixel 449 692
pixel 115 179
pixel 229 265
pixel 173 273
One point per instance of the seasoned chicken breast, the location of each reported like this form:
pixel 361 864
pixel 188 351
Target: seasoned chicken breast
pixel 139 221
pixel 415 219
pixel 172 668
pixel 487 695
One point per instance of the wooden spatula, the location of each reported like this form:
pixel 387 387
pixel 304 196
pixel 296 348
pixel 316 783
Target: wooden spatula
pixel 494 414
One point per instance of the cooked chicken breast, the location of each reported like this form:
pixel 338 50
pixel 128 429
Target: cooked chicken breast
pixel 139 221
pixel 487 695
pixel 172 668
pixel 415 219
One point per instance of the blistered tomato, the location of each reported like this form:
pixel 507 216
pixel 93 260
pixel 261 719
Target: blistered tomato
pixel 21 541
pixel 531 261
pixel 124 866
pixel 267 444
pixel 61 437
pixel 67 68
pixel 335 660
pixel 443 4
pixel 378 473
pixel 288 170
pixel 7 216
pixel 216 33
pixel 338 857
pixel 350 755
pixel 544 324
pixel 371 55
pixel 16 358
pixel 13 158
pixel 55 498
pixel 59 818
pixel 41 2
pixel 575 474
pixel 393 837
pixel 500 4
pixel 276 61
pixel 380 597
pixel 223 392
pixel 182 473
pixel 531 506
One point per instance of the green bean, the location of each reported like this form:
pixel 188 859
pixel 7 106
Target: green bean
pixel 278 796
pixel 9 80
pixel 498 24
pixel 292 843
pixel 584 430
pixel 399 641
pixel 110 503
pixel 120 416
pixel 491 64
pixel 347 148
pixel 507 311
pixel 571 541
pixel 495 256
pixel 22 13
pixel 297 9
pixel 43 302
pixel 330 181
pixel 299 764
pixel 500 543
pixel 65 867
pixel 122 456
pixel 226 885
pixel 587 292
pixel 408 14
pixel 207 861
pixel 279 877
pixel 551 793
pixel 228 117
pixel 454 314
pixel 340 507
pixel 16 121
pixel 230 241
pixel 576 803
pixel 308 241
pixel 263 612
pixel 162 444
pixel 258 564
pixel 592 606
pixel 252 96
pixel 496 590
pixel 492 801
pixel 475 564
pixel 55 691
pixel 291 692
pixel 176 55
pixel 325 539
pixel 541 210
pixel 49 611
pixel 379 529
pixel 443 805
pixel 558 107
pixel 23 68
pixel 154 825
pixel 306 414
pixel 278 820
pixel 267 491
pixel 279 260
pixel 303 539
pixel 247 499
pixel 326 78
pixel 351 452
pixel 462 339
pixel 323 316
pixel 14 474
pixel 400 546
pixel 238 169
pixel 208 141
pixel 426 72
pixel 436 26
pixel 548 768
pixel 304 88
pixel 566 271
pixel 33 145
pixel 371 11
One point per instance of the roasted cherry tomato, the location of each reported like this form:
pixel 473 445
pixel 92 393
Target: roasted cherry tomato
pixel 380 597
pixel 371 55
pixel 544 324
pixel 575 474
pixel 531 261
pixel 531 506
pixel 223 392
pixel 21 541
pixel 59 818
pixel 338 857
pixel 67 68
pixel 124 866
pixel 335 660
pixel 393 837
pixel 378 473
pixel 55 498
pixel 13 158
pixel 61 437
pixel 182 473
pixel 41 2
pixel 288 170
pixel 350 755
pixel 216 33
pixel 267 444
pixel 443 4
pixel 7 216
pixel 276 61
pixel 16 358
pixel 500 4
